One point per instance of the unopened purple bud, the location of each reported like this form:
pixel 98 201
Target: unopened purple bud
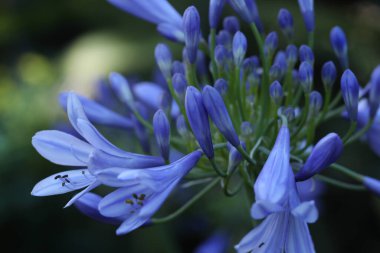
pixel 276 92
pixel 234 157
pixel 161 127
pixel 285 20
pixel 221 86
pixel 250 64
pixel 221 55
pixel 339 44
pixel 325 152
pixel 217 110
pixel 275 72
pixel 374 92
pixel 163 59
pixel 224 38
pixel 316 102
pixel 178 67
pixel 231 24
pixel 198 120
pixel 329 74
pixel 248 11
pixel 215 10
pixel 289 112
pixel 122 89
pixel 271 43
pixel 239 47
pixel 181 126
pixel 306 54
pixel 280 60
pixel 372 184
pixel 305 76
pixel 307 10
pixel 179 84
pixel 291 55
pixel 192 30
pixel 350 93
pixel 246 129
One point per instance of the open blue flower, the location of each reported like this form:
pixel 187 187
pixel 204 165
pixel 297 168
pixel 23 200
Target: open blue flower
pixel 141 192
pixel 284 228
pixel 159 12
pixel 65 149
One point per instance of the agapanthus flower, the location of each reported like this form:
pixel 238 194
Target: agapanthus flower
pixel 159 12
pixel 64 149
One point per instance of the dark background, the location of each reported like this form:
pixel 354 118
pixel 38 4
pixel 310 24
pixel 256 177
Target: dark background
pixel 47 46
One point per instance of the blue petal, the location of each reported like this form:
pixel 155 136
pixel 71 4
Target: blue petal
pixel 63 182
pixel 98 113
pixel 268 237
pixel 273 181
pixel 110 176
pixel 80 194
pixel 299 239
pixel 263 208
pixel 61 148
pixel 306 211
pixel 149 93
pixel 88 205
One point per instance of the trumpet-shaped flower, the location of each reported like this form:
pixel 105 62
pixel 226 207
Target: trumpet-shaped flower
pixel 141 192
pixel 64 149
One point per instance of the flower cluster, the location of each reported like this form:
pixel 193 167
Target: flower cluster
pixel 215 114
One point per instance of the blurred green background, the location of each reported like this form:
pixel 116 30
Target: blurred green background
pixel 49 46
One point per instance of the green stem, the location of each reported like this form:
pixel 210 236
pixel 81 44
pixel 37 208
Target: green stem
pixel 361 132
pixel 350 131
pixel 214 67
pixel 187 205
pixel 311 39
pixel 217 169
pixel 340 184
pixel 348 172
pixel 246 155
pixel 238 96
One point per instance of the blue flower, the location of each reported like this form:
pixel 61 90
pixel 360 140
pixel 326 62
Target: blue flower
pixel 285 20
pixel 374 91
pixel 198 120
pixel 276 92
pixel 328 74
pixel 239 47
pixel 306 75
pixel 64 149
pixel 215 10
pixel 159 12
pixel 161 128
pixel 350 93
pixel 231 24
pixel 247 9
pixel 339 44
pixel 325 152
pixel 307 10
pixel 97 113
pixel 141 192
pixel 284 228
pixel 192 30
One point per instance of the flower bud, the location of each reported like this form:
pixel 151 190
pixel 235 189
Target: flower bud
pixel 221 86
pixel 305 76
pixel 179 84
pixel 224 38
pixel 291 55
pixel 372 184
pixel 215 10
pixel 307 10
pixel 250 64
pixel 217 111
pixel 122 89
pixel 306 54
pixel 192 30
pixel 374 92
pixel 276 92
pixel 325 152
pixel 350 93
pixel 248 11
pixel 339 44
pixel 178 67
pixel 316 102
pixel 231 24
pixel 271 43
pixel 280 60
pixel 285 21
pixel 221 55
pixel 246 128
pixel 181 126
pixel 275 72
pixel 289 112
pixel 239 47
pixel 234 157
pixel 163 59
pixel 198 120
pixel 328 74
pixel 161 127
